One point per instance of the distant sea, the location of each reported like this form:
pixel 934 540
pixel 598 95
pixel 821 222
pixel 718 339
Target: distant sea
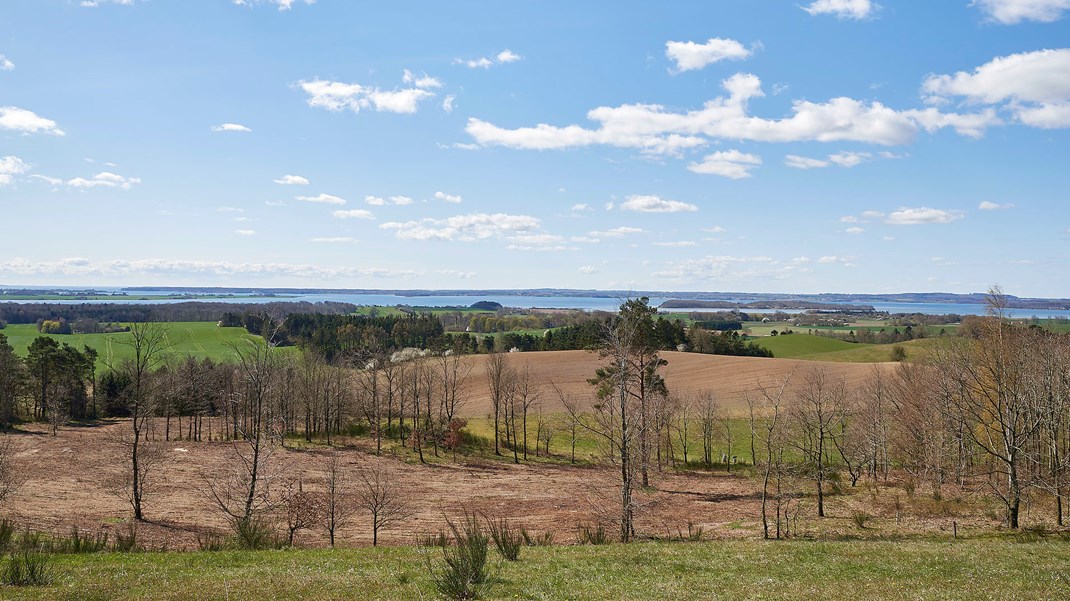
pixel 587 303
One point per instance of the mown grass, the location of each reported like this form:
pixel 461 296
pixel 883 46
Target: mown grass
pixel 201 339
pixel 791 346
pixel 729 569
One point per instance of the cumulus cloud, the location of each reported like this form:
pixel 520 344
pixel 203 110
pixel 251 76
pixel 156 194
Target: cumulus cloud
pixel 333 240
pixel 655 204
pixel 503 57
pixel 843 9
pixel 353 214
pixel 922 215
pixel 245 232
pixel 79 266
pixel 843 159
pixel 292 180
pixel 452 198
pixel 654 129
pixel 420 81
pixel 284 5
pixel 230 127
pixel 465 228
pixel 394 200
pixel 617 232
pixel 690 56
pixel 96 3
pixel 104 179
pixel 338 96
pixel 15 119
pixel 854 230
pixel 588 269
pixel 5 64
pixel 677 244
pixel 447 103
pixel 323 199
pixel 727 163
pixel 720 267
pixel 1009 12
pixel 987 205
pixel 798 162
pixel 10 166
pixel 1033 86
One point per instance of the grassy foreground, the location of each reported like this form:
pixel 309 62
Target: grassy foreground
pixel 751 569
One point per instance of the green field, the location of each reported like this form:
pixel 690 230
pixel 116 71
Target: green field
pixel 1001 568
pixel 792 346
pixel 198 338
pixel 819 348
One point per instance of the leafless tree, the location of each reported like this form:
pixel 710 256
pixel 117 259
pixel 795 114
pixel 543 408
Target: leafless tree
pixel 302 508
pixel 379 492
pixel 773 439
pixel 11 475
pixel 499 375
pixel 148 343
pixel 337 509
pixel 814 412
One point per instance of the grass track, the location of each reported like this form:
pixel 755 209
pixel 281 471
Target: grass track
pixel 737 569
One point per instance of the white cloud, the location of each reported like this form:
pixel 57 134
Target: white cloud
pixel 507 56
pixel 465 228
pixel 96 3
pixel 690 56
pixel 53 181
pixel 655 204
pixel 104 179
pixel 922 215
pixel 848 219
pixel 617 232
pixel 503 57
pixel 843 9
pixel 394 200
pixel 987 205
pixel 377 201
pixel 353 214
pixel 539 242
pixel 849 159
pixel 677 244
pixel 654 129
pixel 322 198
pixel 230 127
pixel 854 230
pixel 5 64
pixel 79 266
pixel 420 81
pixel 797 162
pixel 400 200
pixel 245 232
pixel 580 207
pixel 15 119
pixel 447 103
pixel 727 163
pixel 338 96
pixel 292 180
pixel 333 240
pixel 1009 12
pixel 10 166
pixel 452 198
pixel 720 267
pixel 283 5
pixel 584 240
pixel 464 275
pixel 1033 86
pixel 229 210
pixel 588 269
pixel 715 230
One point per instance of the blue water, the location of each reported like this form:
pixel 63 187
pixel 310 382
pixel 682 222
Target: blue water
pixel 527 302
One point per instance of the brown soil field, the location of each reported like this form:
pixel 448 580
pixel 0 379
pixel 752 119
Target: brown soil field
pixel 68 483
pixel 729 378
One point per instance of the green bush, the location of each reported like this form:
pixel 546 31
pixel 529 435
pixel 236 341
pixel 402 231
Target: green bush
pixel 78 542
pixel 464 572
pixel 507 540
pixel 597 535
pixel 27 567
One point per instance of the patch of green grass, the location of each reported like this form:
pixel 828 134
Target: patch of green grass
pixel 790 346
pixel 725 569
pixel 201 339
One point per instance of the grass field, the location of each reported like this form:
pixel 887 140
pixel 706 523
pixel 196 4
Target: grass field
pixel 729 569
pixel 819 348
pixel 198 338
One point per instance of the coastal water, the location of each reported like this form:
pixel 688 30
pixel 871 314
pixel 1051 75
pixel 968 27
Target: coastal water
pixel 588 303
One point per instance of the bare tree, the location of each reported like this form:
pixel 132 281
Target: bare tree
pixel 527 395
pixel 336 506
pixel 149 343
pixel 11 475
pixel 774 448
pixel 302 508
pixel 498 378
pixel 379 492
pixel 683 424
pixel 816 408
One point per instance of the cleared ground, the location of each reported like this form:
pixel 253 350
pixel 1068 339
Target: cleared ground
pixel 729 378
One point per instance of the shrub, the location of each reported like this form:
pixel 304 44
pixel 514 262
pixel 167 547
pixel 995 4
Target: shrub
pixel 592 536
pixel 211 541
pixel 78 542
pixel 27 567
pixel 464 571
pixel 507 540
pixel 861 518
pixel 433 540
pixel 126 543
pixel 253 534
pixel 7 535
pixel 532 540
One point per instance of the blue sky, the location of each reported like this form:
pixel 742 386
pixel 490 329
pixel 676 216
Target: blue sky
pixel 816 146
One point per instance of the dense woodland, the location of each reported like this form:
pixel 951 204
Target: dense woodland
pixel 185 311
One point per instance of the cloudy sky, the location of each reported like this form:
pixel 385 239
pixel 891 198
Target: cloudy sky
pixel 836 145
